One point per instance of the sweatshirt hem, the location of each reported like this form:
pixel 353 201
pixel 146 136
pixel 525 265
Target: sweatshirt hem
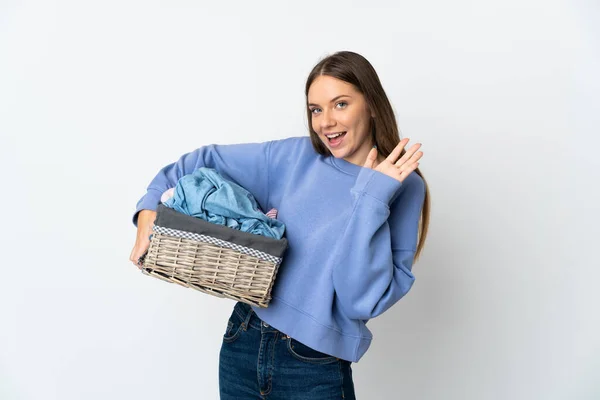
pixel 304 328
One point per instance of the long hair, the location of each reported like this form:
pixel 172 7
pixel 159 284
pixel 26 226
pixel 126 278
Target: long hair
pixel 353 68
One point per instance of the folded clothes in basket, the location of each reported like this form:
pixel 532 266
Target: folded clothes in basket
pixel 167 194
pixel 205 194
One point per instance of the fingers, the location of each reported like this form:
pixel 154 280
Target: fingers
pixel 371 158
pixel 142 242
pixel 397 151
pixel 407 171
pixel 139 249
pixel 411 155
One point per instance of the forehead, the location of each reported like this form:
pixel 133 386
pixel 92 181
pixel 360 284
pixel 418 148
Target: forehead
pixel 324 88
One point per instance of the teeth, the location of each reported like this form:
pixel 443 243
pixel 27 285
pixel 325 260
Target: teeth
pixel 334 136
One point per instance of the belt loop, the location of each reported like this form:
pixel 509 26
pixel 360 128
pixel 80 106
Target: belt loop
pixel 247 320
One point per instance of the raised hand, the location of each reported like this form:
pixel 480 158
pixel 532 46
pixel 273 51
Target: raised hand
pixel 398 169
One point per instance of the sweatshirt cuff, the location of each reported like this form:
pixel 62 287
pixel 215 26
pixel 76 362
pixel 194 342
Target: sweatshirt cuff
pixel 376 184
pixel 149 202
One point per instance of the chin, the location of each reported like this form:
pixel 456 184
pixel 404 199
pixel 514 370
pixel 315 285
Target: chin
pixel 339 153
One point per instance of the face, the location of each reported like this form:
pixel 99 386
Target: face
pixel 336 106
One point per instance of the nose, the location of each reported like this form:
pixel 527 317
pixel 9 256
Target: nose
pixel 326 120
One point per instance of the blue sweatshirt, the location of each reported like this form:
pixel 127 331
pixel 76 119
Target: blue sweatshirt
pixel 351 231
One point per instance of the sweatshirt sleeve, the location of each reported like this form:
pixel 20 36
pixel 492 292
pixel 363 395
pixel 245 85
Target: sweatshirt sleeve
pixel 247 164
pixel 373 257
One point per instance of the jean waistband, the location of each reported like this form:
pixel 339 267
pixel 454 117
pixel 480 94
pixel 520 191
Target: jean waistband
pixel 247 314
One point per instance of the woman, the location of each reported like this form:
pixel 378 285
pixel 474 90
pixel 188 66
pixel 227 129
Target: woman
pixel 356 218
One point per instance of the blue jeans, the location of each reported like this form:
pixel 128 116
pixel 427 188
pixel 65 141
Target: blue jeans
pixel 259 362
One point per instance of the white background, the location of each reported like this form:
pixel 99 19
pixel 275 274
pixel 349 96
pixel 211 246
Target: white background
pixel 96 97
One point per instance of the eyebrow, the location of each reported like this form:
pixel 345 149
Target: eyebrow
pixel 332 100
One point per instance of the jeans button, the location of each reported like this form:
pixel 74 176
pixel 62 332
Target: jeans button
pixel 265 325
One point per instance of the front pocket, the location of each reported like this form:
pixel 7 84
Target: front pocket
pixel 307 354
pixel 229 326
pixel 234 328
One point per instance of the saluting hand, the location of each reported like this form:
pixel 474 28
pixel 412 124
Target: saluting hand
pixel 398 169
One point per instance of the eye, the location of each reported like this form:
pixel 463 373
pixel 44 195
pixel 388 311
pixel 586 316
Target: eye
pixel 342 102
pixel 313 110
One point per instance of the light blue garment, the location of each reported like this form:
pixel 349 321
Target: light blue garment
pixel 352 234
pixel 205 194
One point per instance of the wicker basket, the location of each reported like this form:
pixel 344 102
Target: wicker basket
pixel 213 259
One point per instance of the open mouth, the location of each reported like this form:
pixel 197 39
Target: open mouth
pixel 336 137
